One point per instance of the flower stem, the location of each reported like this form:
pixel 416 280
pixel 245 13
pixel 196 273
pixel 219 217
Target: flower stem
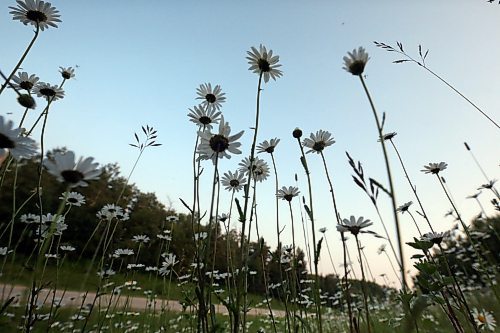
pixel 391 186
pixel 21 60
pixel 367 312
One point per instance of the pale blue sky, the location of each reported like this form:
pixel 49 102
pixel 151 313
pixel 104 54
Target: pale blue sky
pixel 140 63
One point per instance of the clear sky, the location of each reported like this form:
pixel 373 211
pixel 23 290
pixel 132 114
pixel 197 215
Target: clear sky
pixel 140 62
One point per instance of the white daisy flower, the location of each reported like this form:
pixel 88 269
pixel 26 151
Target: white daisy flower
pixel 37 13
pixel 484 319
pixel 434 168
pixel 288 193
pixel 203 117
pixel 319 141
pixel 67 72
pixel 353 225
pixel 172 218
pixel 24 81
pixel 73 199
pixel 233 181
pixel 12 141
pixel 64 167
pixel 268 146
pixel 263 62
pixel 67 248
pixel 435 237
pixel 123 253
pixel 212 98
pixel 51 93
pixel 219 144
pixel 259 167
pixel 355 61
pixel 30 218
pixel 140 239
pixel 404 208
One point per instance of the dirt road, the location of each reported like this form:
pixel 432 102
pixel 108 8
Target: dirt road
pixel 67 298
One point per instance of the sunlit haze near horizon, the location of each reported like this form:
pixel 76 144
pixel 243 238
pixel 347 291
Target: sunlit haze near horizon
pixel 140 62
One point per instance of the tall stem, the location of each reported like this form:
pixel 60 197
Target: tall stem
pixel 20 60
pixel 391 186
pixel 367 312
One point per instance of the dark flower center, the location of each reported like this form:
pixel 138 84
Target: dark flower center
pixel 205 120
pixel 234 183
pixel 210 98
pixel 36 16
pixel 435 170
pixel 288 197
pixel 264 65
pixel 5 142
pixel 319 146
pixel 66 75
pixel 26 85
pixel 111 210
pixel 357 67
pixel 72 176
pixel 219 143
pixel 270 149
pixel 72 200
pixel 49 92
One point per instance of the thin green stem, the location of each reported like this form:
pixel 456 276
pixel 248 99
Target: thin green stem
pixel 37 30
pixel 391 186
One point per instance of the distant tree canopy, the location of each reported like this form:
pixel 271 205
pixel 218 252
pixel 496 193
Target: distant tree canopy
pixel 147 216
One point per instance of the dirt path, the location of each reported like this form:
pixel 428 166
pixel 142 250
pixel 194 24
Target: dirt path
pixel 118 302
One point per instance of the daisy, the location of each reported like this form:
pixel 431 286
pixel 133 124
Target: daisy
pixel 259 167
pixel 233 181
pixel 172 218
pixel 123 252
pixel 489 185
pixel 140 239
pixel 213 146
pixel 30 218
pixel 434 168
pixel 64 167
pixel 204 118
pixel 388 136
pixel 264 63
pixel 353 225
pixel 319 141
pixel 404 208
pixel 484 319
pixel 51 93
pixel 12 140
pixel 67 73
pixel 222 217
pixel 35 12
pixel 268 146
pixel 355 61
pixel 169 260
pixel 212 98
pixel 288 193
pixel 434 237
pixel 73 198
pixel 24 81
pixel 67 248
